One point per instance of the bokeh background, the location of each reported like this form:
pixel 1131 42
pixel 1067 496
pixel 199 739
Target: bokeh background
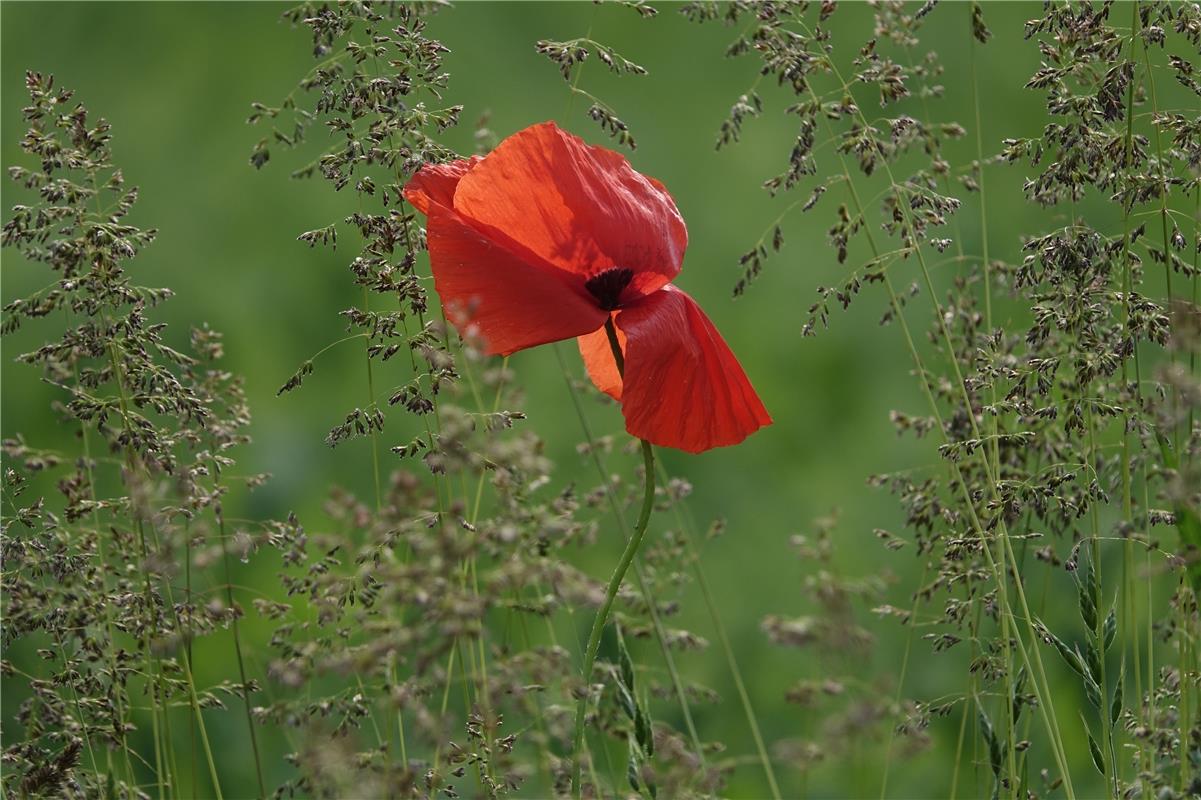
pixel 176 80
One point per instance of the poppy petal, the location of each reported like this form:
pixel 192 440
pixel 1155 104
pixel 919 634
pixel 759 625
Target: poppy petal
pixel 435 183
pixel 583 209
pixel 683 387
pixel 488 291
pixel 598 360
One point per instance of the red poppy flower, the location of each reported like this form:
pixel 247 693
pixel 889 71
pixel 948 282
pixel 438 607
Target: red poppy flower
pixel 547 238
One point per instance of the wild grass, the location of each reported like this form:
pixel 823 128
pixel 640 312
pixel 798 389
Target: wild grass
pixel 440 638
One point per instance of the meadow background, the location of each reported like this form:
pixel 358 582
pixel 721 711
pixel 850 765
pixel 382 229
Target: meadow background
pixel 176 81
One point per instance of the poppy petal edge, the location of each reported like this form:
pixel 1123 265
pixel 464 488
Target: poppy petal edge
pixel 683 387
pixel 436 183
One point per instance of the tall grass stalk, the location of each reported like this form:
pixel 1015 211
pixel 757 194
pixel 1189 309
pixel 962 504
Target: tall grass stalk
pixel 986 261
pixel 1007 614
pixel 1006 552
pixel 688 526
pixel 1043 691
pixel 237 637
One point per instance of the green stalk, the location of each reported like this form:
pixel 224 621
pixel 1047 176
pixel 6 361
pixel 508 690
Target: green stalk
pixel 208 752
pixel 371 405
pixel 1044 692
pixel 172 761
pixel 999 576
pixel 736 673
pixel 994 445
pixel 1191 632
pixel 229 599
pixel 108 614
pixel 992 389
pixel 442 506
pixel 99 536
pixel 1128 577
pixel 1165 187
pixel 892 731
pixel 118 377
pixel 1098 632
pixel 83 723
pixel 544 754
pixel 619 516
pixel 967 709
pixel 438 483
pixel 476 650
pixel 155 681
pixel 189 635
pixel 393 678
pixel 623 566
pixel 1196 288
pixel 1187 650
pixel 152 666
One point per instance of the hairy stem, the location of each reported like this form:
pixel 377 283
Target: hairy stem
pixel 657 622
pixel 619 574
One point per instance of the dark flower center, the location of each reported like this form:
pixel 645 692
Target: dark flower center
pixel 606 286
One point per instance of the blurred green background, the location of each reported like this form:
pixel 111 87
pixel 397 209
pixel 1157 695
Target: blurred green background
pixel 176 80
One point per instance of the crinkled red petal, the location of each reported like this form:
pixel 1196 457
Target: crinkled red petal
pixel 683 387
pixel 583 209
pixel 489 292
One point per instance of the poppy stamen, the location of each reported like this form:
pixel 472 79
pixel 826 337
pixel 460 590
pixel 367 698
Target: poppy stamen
pixel 606 286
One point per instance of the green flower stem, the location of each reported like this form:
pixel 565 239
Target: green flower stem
pixel 619 516
pixel 615 346
pixel 619 574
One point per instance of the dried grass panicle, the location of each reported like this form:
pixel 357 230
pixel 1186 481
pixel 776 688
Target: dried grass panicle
pixel 98 565
pixel 1057 385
